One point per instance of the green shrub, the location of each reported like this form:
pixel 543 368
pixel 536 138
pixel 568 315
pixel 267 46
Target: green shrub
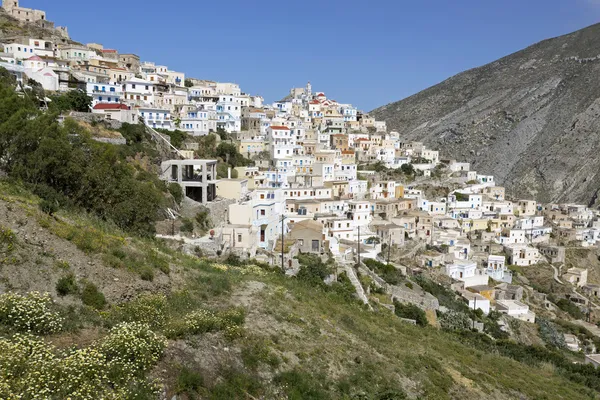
pixel 158 262
pixel 570 308
pixel 202 321
pixel 258 352
pixel 147 274
pixel 67 285
pixel 48 206
pixel 203 219
pixel 176 191
pixel 298 385
pixel 91 296
pixel 187 226
pixel 147 308
pixel 189 381
pixel 8 239
pixel 387 272
pixel 410 311
pixel 312 270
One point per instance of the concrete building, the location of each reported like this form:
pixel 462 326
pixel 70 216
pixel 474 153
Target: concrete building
pixel 235 189
pixel 476 301
pixel 116 111
pixel 308 235
pixel 515 309
pixel 197 178
pixel 576 276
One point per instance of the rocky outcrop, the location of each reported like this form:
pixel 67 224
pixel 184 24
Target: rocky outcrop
pixel 530 119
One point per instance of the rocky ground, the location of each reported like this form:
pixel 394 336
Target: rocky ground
pixel 529 119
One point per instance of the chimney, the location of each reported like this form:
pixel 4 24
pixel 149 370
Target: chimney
pixel 229 173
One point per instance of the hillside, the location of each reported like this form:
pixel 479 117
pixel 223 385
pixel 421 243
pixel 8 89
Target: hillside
pixel 530 119
pixel 283 339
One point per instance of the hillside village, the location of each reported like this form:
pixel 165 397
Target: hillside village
pixel 327 179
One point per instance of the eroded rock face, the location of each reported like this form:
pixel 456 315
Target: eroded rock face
pixel 531 118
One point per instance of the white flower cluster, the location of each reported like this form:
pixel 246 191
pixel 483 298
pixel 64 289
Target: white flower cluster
pixel 29 313
pixel 111 369
pixel 133 347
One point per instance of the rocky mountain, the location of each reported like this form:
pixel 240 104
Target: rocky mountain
pixel 530 119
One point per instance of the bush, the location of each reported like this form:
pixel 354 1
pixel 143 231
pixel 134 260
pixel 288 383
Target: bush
pixel 410 311
pixel 147 308
pixel 312 270
pixel 147 274
pixel 187 226
pixel 67 285
pixel 300 385
pixel 176 191
pixel 454 321
pixel 29 313
pixel 91 296
pixel 203 219
pixel 387 272
pixel 189 381
pixel 203 321
pixel 550 334
pixel 49 207
pixel 131 348
pixel 570 308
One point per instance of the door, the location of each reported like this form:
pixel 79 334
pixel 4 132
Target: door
pixel 315 246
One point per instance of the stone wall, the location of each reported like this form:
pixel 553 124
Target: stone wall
pixel 95 118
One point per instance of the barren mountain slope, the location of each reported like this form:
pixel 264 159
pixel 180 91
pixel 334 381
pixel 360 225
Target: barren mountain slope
pixel 530 119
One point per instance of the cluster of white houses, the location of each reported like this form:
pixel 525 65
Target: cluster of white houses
pixel 306 181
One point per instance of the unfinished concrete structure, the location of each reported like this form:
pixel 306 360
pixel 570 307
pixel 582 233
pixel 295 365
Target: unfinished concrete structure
pixel 197 178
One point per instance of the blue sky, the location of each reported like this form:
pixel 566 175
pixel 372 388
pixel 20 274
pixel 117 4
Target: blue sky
pixel 367 53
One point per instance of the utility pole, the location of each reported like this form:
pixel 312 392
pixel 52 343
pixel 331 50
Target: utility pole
pixel 358 252
pixel 389 246
pixel 282 243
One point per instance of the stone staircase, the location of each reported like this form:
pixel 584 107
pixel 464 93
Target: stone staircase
pixel 356 283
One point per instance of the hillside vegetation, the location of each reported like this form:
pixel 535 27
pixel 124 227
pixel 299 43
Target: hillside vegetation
pixel 529 118
pixel 93 306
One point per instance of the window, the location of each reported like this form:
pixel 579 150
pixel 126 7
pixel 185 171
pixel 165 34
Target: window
pixel 239 238
pixel 263 212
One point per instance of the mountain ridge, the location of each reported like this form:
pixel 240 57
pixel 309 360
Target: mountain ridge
pixel 524 118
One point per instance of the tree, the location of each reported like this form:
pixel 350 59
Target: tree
pixel 410 311
pixel 73 100
pixel 407 169
pixel 188 83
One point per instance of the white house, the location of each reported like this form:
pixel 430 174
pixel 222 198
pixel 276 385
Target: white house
pixel 467 272
pixel 104 93
pixel 515 309
pixel 476 301
pixel 139 92
pixel 522 255
pixel 497 270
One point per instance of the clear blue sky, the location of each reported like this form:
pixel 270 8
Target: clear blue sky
pixel 368 53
